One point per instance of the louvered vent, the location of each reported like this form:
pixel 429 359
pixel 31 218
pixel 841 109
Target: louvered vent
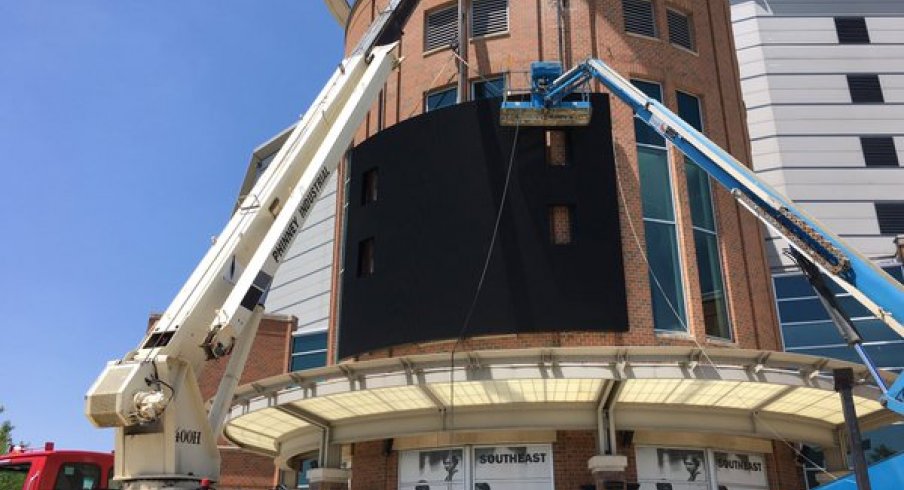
pixel 879 151
pixel 851 30
pixel 891 217
pixel 680 31
pixel 639 17
pixel 865 88
pixel 489 17
pixel 441 28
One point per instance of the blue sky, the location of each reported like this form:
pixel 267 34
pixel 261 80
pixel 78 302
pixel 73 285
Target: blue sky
pixel 125 130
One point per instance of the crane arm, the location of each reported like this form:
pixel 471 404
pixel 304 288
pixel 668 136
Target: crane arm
pixel 877 291
pixel 164 435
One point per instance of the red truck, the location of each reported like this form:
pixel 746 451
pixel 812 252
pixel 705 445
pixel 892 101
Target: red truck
pixel 49 469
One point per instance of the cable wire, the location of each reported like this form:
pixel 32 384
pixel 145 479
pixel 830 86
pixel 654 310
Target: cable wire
pixel 483 274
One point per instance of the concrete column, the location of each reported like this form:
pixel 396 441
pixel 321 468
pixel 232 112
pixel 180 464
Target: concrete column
pixel 609 472
pixel 329 479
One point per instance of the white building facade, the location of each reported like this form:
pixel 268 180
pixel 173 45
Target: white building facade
pixel 823 84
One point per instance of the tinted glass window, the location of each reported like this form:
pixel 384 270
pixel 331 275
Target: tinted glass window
pixel 891 217
pixel 656 188
pixel 802 310
pixel 792 287
pixel 851 30
pixel 78 476
pixel 308 361
pixel 810 334
pixel 879 151
pixel 644 133
pixel 13 475
pixel 441 98
pixel 303 343
pixel 865 89
pixel 666 287
pixel 486 89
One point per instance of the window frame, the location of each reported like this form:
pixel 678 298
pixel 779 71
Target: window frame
pixel 691 30
pixel 682 272
pixel 897 204
pixel 865 97
pixel 434 11
pixel 508 21
pixel 445 88
pixel 893 162
pixel 485 80
pixel 654 25
pixel 714 232
pixel 851 40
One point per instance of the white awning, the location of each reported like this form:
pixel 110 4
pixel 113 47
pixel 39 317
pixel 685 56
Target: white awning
pixel 754 393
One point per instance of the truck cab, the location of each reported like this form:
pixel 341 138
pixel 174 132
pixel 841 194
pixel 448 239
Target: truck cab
pixel 49 469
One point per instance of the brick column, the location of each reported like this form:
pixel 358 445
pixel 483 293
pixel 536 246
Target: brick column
pixel 609 472
pixel 329 479
pixel 899 245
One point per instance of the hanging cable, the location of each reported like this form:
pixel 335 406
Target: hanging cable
pixel 483 274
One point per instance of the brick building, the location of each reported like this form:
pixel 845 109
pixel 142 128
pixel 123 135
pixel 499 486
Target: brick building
pixel 544 307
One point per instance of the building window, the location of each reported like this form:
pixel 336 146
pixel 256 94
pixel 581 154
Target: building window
pixel 78 476
pixel 489 17
pixel 879 151
pixel 561 222
pixel 865 89
pixel 681 29
pixel 556 148
pixel 663 254
pixel 441 28
pixel 366 259
pixel 308 351
pixel 488 88
pixel 369 187
pixel 706 238
pixel 639 18
pixel 441 98
pixel 851 30
pixel 808 329
pixel 891 217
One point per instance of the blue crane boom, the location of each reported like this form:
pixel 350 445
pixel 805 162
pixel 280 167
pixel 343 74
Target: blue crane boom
pixel 811 240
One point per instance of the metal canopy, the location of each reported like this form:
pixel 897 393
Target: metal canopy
pixel 764 394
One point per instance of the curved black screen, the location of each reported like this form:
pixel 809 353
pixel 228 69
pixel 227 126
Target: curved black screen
pixel 422 204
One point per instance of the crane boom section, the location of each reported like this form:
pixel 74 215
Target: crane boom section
pixel 853 272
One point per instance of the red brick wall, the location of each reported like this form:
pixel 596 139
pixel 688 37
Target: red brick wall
pixel 373 468
pixel 596 29
pixel 784 472
pixel 570 453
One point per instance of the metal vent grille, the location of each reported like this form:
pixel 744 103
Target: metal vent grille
pixel 489 17
pixel 865 88
pixel 891 217
pixel 639 17
pixel 680 30
pixel 879 151
pixel 441 28
pixel 851 30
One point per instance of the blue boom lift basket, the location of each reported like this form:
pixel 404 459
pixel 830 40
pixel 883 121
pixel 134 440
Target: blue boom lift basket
pixel 534 108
